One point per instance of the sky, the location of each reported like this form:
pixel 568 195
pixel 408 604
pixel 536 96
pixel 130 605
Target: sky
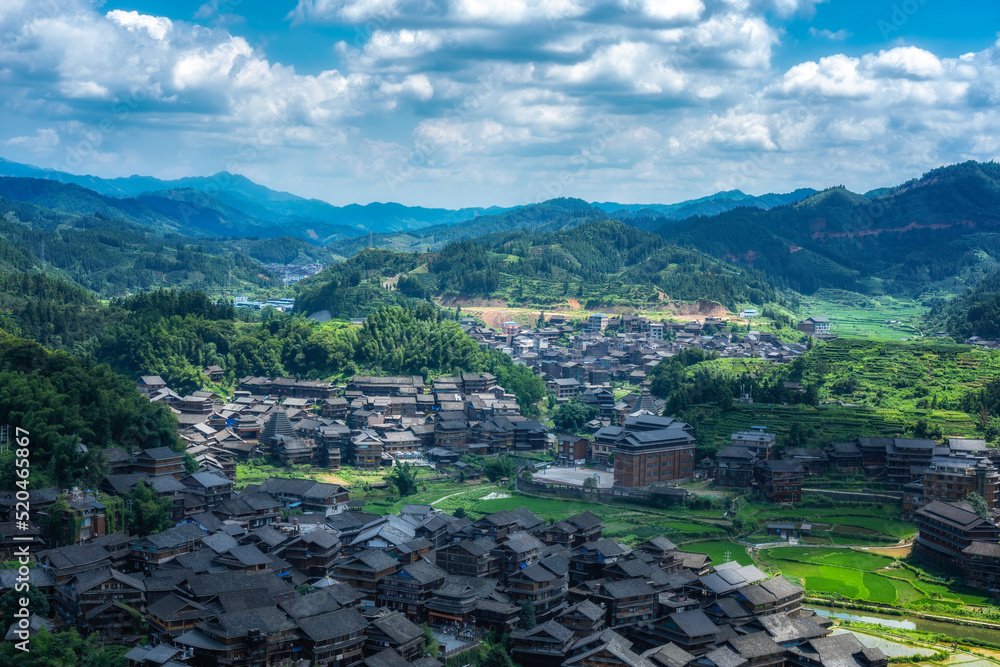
pixel 457 103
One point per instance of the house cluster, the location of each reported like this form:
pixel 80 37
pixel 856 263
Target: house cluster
pixel 749 463
pixel 369 423
pixel 219 591
pixel 293 273
pixel 953 537
pixel 620 349
pixel 924 470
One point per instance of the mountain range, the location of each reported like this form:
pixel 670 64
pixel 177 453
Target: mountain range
pixel 936 233
pixel 230 204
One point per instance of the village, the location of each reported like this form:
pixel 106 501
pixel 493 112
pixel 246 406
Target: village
pixel 294 569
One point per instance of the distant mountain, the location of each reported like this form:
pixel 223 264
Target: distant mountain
pixel 649 216
pixel 551 215
pixel 940 229
pixel 298 216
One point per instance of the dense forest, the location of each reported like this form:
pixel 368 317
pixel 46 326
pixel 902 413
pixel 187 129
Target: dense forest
pixel 63 402
pixel 976 312
pixel 935 230
pixel 603 259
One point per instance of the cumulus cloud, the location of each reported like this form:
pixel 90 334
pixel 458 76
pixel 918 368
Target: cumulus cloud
pixel 44 140
pixel 648 100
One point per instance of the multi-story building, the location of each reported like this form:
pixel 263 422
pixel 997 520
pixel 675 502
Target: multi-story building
pixel 981 567
pixel 476 383
pixel 945 530
pixel 363 571
pixel 597 322
pixel 386 386
pixel 952 478
pixel 210 488
pixel 907 459
pixel 564 388
pixel 572 447
pixel 542 587
pixel 471 558
pixel 314 553
pixel 651 456
pixel 159 461
pixel 781 481
pixel 815 326
pixel 734 467
pixel 409 589
pixel 757 440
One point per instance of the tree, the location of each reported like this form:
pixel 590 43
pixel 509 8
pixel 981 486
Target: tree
pixel 431 646
pixel 10 602
pixel 526 617
pixel 404 478
pixel 573 415
pixel 978 504
pixel 541 320
pixel 495 656
pixel 590 483
pixel 459 513
pixel 149 514
pixel 499 466
pixel 56 525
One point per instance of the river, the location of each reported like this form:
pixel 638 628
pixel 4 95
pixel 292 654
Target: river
pixel 908 623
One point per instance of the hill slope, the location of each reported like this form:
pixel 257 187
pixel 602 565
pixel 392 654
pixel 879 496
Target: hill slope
pixel 935 231
pixel 262 204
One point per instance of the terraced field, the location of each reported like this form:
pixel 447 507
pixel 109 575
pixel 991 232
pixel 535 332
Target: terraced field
pixel 865 577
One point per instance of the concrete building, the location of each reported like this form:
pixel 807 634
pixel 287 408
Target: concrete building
pixel 815 326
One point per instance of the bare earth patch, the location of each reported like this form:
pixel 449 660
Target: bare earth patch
pixel 331 478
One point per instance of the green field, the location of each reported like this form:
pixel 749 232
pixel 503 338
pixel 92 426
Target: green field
pixel 718 549
pixel 865 577
pixel 862 316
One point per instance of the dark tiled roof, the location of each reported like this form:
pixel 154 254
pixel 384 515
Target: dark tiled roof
pixel 332 624
pixel 397 627
pixel 756 645
pixel 694 623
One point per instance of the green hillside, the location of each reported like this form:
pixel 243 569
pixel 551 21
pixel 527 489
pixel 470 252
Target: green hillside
pixel 602 263
pixel 938 231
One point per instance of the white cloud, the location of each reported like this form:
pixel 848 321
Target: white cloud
pixel 45 139
pixel 671 11
pixel 657 98
pixel 832 35
pixel 907 62
pixel 156 26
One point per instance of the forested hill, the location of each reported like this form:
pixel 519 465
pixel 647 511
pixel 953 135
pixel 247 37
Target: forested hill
pixel 602 262
pixel 114 255
pixel 976 312
pixel 939 229
pixel 551 215
pixel 270 207
pixel 650 216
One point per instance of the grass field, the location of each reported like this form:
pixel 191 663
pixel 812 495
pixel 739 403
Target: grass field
pixel 866 577
pixel 718 549
pixel 862 316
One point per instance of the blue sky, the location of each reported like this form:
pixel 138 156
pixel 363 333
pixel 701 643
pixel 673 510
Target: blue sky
pixel 479 102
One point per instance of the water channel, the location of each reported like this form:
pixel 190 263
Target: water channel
pixel 909 623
